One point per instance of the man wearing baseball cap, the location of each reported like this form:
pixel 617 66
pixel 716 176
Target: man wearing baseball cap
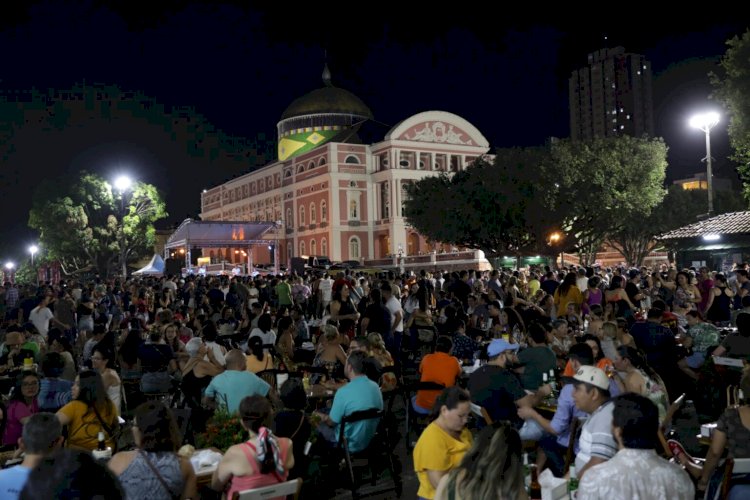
pixel 498 390
pixel 591 395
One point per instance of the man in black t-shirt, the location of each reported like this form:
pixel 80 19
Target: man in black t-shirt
pixel 498 390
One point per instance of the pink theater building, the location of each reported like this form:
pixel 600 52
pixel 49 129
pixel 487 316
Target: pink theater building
pixel 334 196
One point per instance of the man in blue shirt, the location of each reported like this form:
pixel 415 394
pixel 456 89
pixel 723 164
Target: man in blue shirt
pixel 360 393
pixel 235 384
pixel 555 442
pixel 42 434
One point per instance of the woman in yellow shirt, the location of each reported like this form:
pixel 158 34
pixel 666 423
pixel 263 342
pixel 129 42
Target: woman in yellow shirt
pixel 567 293
pixel 90 413
pixel 444 442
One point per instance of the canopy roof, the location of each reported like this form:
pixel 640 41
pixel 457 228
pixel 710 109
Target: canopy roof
pixel 219 234
pixel 736 223
pixel 156 266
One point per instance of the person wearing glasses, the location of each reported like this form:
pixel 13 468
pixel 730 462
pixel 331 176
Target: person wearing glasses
pixel 13 355
pixel 23 404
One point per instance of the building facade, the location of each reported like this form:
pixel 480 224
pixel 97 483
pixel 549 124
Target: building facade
pixel 611 96
pixel 334 196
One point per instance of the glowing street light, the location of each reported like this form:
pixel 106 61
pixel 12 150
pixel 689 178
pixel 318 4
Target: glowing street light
pixel 9 266
pixel 705 122
pixel 123 183
pixel 33 249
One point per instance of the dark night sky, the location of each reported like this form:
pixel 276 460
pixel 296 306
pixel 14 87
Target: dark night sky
pixel 506 72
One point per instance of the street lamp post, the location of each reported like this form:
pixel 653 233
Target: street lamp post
pixel 9 266
pixel 705 122
pixel 122 184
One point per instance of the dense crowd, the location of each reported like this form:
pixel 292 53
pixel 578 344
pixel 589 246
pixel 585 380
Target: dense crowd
pixel 578 371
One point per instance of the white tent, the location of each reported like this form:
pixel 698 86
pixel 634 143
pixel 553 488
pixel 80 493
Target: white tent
pixel 155 267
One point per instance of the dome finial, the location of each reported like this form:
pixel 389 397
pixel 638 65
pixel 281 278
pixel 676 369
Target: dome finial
pixel 326 72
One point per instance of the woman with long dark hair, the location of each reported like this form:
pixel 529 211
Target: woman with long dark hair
pixel 492 468
pixel 154 470
pixel 640 378
pixel 344 311
pixel 568 292
pixel 103 362
pixel 262 460
pixel 90 413
pixel 258 359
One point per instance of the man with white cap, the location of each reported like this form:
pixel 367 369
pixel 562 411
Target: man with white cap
pixel 498 390
pixel 591 395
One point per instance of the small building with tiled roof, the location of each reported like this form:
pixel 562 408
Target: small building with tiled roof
pixel 717 242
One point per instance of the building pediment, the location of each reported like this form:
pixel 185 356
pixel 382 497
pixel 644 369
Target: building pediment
pixel 438 127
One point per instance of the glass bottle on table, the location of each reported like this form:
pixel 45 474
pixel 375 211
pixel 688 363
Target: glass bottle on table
pixel 535 489
pixel 572 483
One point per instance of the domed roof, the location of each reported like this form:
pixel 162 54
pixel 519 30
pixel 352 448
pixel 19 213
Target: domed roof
pixel 329 99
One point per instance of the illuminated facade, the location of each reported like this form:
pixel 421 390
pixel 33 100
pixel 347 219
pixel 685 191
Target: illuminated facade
pixel 334 196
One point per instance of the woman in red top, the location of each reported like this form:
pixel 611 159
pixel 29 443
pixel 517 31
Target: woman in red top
pixel 262 460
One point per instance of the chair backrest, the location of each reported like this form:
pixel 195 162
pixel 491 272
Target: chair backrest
pixel 358 416
pixel 575 424
pixel 284 489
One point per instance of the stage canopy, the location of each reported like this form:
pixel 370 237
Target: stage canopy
pixel 218 234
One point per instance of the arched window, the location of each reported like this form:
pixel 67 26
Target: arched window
pixel 300 169
pixel 289 252
pixel 287 173
pixel 311 165
pixel 302 248
pixel 352 159
pixel 252 188
pixel 262 184
pixel 289 219
pixel 321 162
pixel 313 248
pixel 354 248
pixel 323 247
pixel 354 210
pixel 302 216
pixel 323 211
pixel 313 214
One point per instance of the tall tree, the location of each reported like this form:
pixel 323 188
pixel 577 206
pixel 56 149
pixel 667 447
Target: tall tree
pixel 86 226
pixel 595 186
pixel 636 237
pixel 732 83
pixel 493 206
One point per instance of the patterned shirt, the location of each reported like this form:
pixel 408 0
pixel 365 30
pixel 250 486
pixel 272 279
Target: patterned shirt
pixel 704 336
pixel 636 475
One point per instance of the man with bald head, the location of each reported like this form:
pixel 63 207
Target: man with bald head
pixel 236 383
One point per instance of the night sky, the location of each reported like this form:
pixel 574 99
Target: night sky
pixel 239 68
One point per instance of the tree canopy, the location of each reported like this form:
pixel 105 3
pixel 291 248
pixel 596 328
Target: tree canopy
pixel 732 83
pixel 515 202
pixel 87 226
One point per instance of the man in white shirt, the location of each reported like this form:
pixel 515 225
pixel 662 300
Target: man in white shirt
pixel 397 314
pixel 41 316
pixel 591 395
pixel 636 471
pixel 325 288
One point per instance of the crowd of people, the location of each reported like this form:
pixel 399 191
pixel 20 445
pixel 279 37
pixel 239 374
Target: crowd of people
pixel 611 348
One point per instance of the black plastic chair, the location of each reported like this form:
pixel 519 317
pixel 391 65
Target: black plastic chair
pixel 372 456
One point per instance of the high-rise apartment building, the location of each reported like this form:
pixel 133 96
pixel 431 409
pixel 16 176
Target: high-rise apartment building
pixel 611 96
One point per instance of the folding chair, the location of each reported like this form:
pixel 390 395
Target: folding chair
pixel 570 453
pixel 284 489
pixel 372 456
